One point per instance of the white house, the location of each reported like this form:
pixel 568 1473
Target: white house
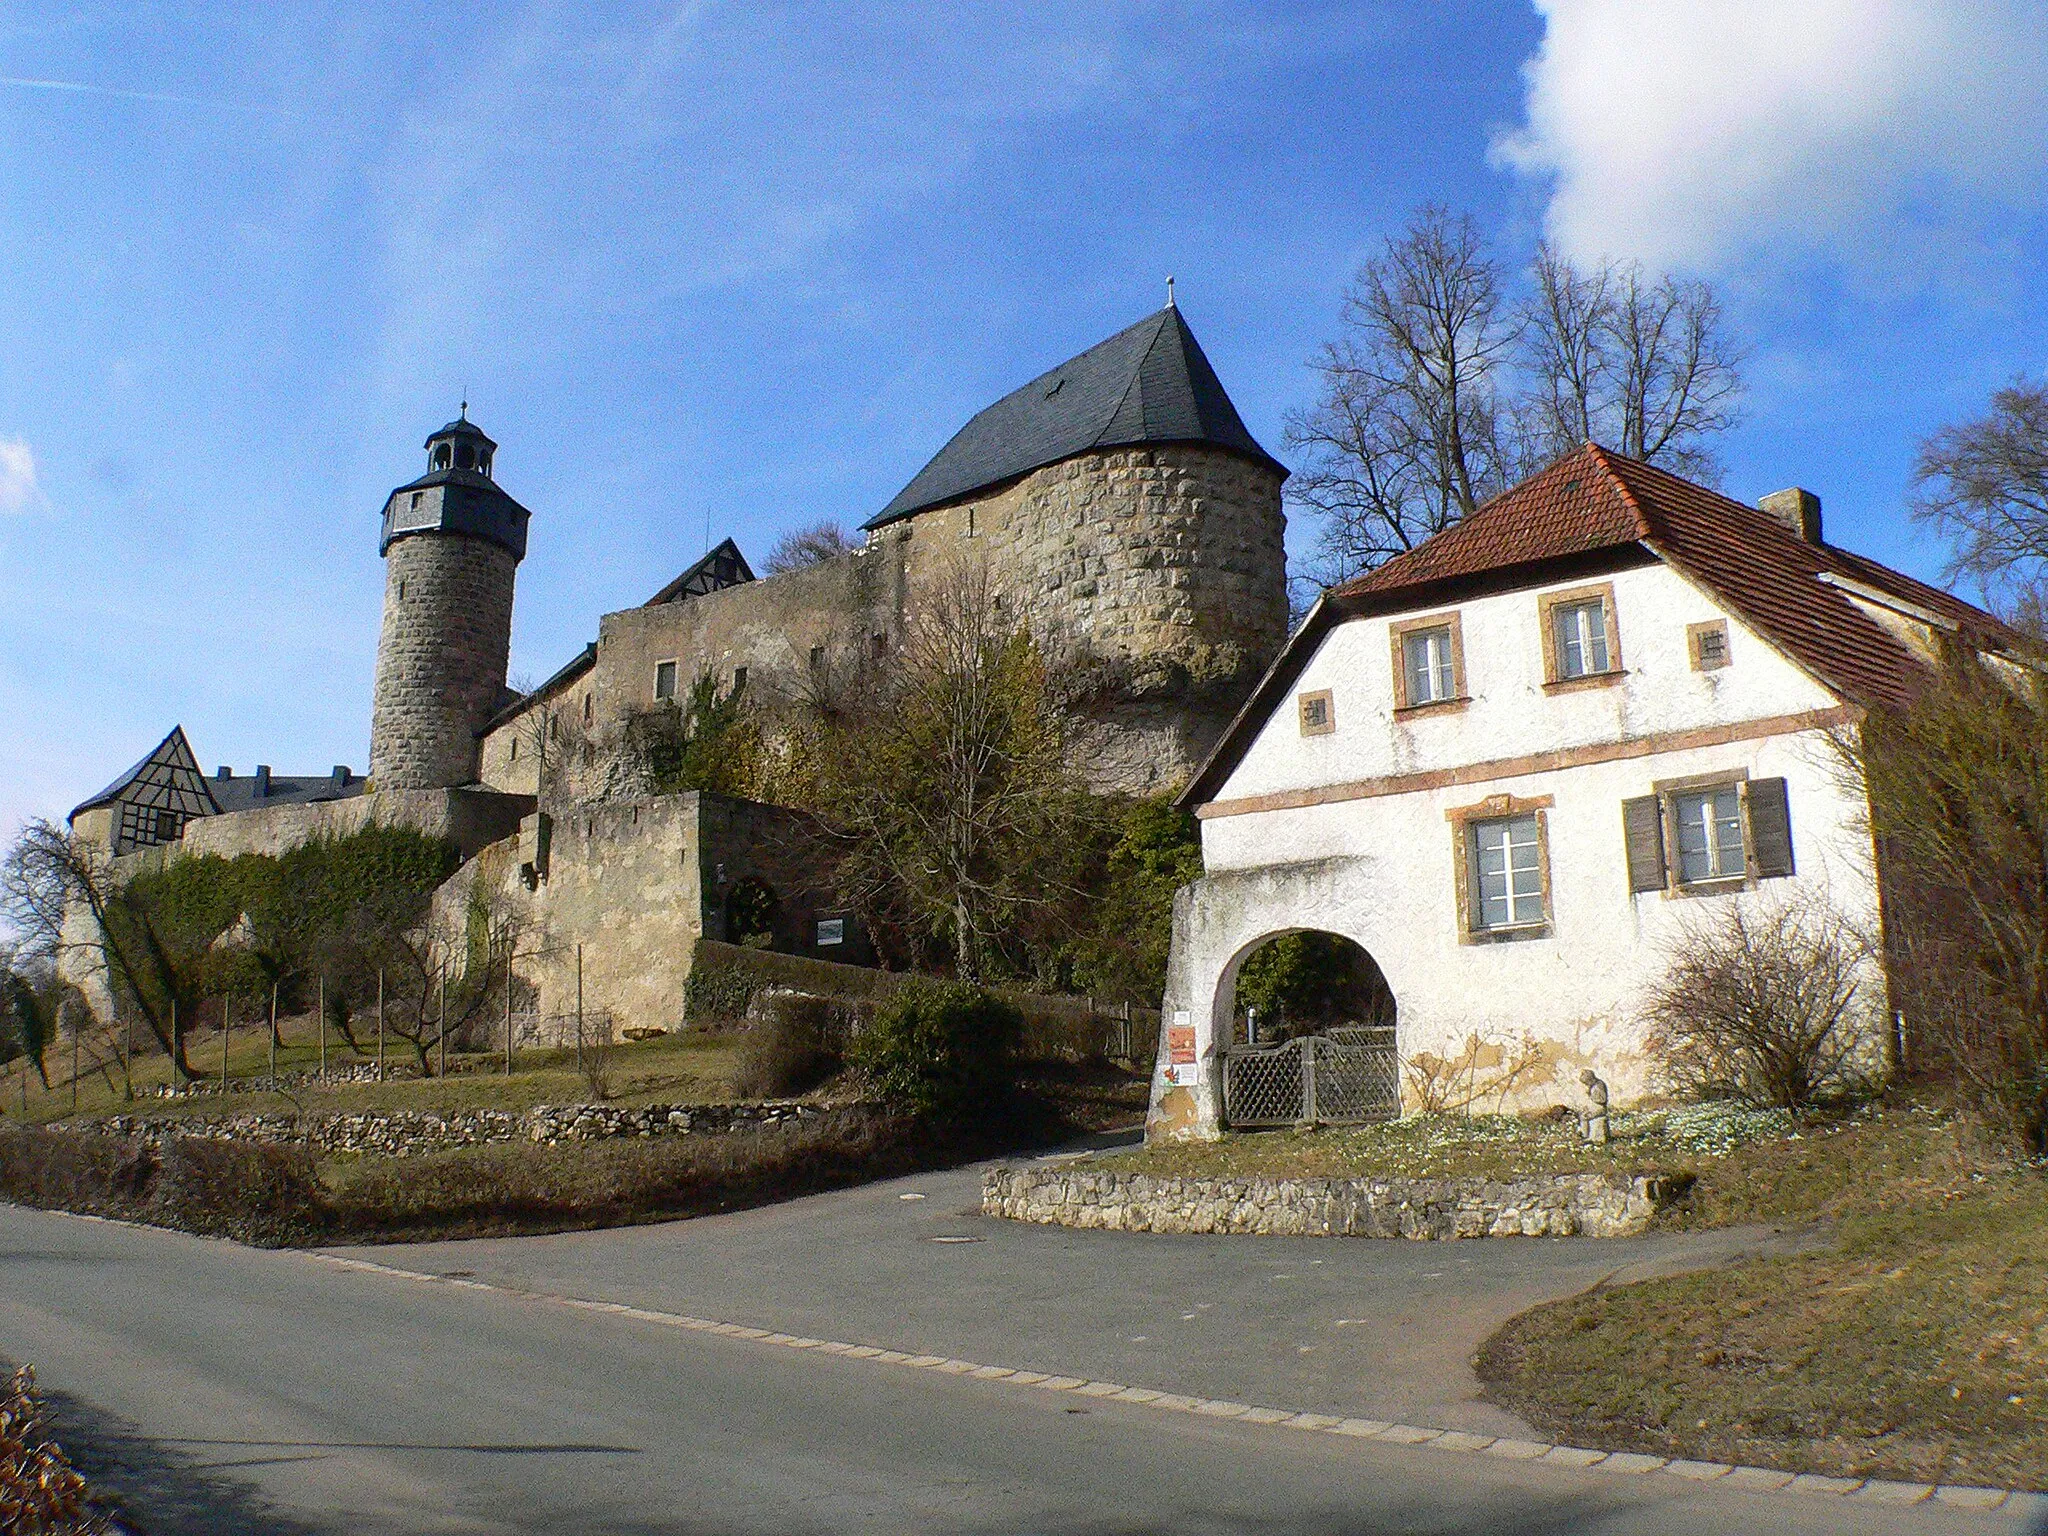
pixel 1511 762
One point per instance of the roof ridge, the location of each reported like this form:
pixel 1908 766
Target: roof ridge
pixel 1604 456
pixel 1133 382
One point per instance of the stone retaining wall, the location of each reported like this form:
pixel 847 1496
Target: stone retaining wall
pixel 1563 1205
pixel 412 1133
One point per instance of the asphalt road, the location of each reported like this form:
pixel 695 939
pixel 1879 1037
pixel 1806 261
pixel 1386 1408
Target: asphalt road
pixel 224 1389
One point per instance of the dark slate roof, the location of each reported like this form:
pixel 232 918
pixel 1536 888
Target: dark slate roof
pixel 239 792
pixel 1149 383
pixel 462 426
pixel 458 501
pixel 724 567
pixel 173 763
pixel 583 661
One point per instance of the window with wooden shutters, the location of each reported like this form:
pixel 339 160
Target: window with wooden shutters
pixel 1643 827
pixel 1707 834
pixel 1770 827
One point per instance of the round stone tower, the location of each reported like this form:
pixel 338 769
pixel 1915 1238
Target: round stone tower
pixel 452 542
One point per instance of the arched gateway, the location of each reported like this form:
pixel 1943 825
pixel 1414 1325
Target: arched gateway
pixel 1271 1024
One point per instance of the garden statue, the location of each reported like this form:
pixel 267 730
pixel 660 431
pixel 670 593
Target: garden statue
pixel 1595 1119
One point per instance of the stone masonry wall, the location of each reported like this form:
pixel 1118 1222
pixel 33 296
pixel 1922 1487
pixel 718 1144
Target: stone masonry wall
pixel 414 1133
pixel 1156 578
pixel 441 658
pixel 635 885
pixel 1563 1205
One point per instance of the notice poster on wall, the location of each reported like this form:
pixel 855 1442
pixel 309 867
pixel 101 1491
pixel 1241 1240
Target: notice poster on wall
pixel 1180 1051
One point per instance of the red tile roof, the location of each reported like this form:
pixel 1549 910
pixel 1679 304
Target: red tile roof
pixel 1756 566
pixel 1594 502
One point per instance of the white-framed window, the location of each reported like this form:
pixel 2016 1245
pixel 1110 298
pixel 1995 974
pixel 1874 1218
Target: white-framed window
pixel 1709 825
pixel 1506 872
pixel 1581 638
pixel 665 682
pixel 1428 666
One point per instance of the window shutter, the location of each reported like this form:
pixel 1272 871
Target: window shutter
pixel 1643 823
pixel 1770 827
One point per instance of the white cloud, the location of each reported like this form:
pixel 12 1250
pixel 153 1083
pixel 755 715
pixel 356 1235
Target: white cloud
pixel 18 489
pixel 1697 134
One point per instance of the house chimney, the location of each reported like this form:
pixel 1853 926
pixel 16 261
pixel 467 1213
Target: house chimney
pixel 224 772
pixel 1798 509
pixel 262 780
pixel 342 774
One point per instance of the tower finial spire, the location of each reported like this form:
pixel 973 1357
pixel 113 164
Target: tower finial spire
pixel 463 413
pixel 1169 290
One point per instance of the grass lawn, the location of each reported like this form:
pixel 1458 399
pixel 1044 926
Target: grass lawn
pixel 681 1068
pixel 1914 1347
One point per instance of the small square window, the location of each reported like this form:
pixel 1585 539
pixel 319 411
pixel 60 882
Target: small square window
pixel 1506 873
pixel 1318 713
pixel 739 679
pixel 1709 824
pixel 817 658
pixel 586 709
pixel 665 681
pixel 1709 645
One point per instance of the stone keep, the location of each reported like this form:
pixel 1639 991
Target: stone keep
pixel 452 542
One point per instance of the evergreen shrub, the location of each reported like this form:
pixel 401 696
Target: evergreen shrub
pixel 940 1049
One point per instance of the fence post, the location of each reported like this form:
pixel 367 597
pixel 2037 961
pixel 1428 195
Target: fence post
pixel 579 1008
pixel 1308 1079
pixel 223 1050
pixel 273 1037
pixel 128 1057
pixel 441 1014
pixel 508 1015
pixel 321 1007
pixel 380 1023
pixel 74 1066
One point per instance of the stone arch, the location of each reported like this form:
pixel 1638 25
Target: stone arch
pixel 1335 963
pixel 752 909
pixel 1219 922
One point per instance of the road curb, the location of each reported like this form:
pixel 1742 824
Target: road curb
pixel 1453 1442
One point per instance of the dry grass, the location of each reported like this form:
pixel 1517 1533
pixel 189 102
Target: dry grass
pixel 497 1190
pixel 252 1191
pixel 680 1069
pixel 1916 1347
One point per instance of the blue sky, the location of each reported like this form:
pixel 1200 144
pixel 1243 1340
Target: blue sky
pixel 756 263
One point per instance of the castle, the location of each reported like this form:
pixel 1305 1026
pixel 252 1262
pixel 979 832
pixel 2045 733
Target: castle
pixel 1117 501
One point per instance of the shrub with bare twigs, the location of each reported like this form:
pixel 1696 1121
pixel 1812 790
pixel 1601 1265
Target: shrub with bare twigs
pixel 1765 1004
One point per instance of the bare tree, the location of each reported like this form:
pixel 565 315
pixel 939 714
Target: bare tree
pixel 1408 434
pixel 947 774
pixel 1984 485
pixel 1643 365
pixel 439 978
pixel 60 894
pixel 1444 390
pixel 1958 787
pixel 812 544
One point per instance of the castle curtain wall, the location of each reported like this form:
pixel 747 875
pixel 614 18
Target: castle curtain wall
pixel 1155 578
